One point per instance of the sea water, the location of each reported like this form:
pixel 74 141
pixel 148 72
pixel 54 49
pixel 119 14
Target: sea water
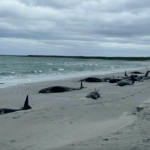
pixel 17 69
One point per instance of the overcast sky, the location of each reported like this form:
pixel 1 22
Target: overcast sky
pixel 75 27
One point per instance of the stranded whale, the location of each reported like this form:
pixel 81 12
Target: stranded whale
pixel 92 79
pixel 57 89
pixel 93 95
pixel 123 82
pixel 7 110
pixel 137 72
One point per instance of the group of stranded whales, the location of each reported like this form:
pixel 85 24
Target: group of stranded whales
pixel 8 110
pixel 121 81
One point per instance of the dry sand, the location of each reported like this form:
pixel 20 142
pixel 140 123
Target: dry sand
pixel 70 121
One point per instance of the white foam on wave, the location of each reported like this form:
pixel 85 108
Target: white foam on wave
pixel 10 77
pixel 55 76
pixel 61 69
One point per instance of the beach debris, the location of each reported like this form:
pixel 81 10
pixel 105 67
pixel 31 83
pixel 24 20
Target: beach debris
pixel 93 95
pixel 57 89
pixel 7 110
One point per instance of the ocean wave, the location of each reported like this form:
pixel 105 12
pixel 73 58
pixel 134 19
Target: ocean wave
pixel 53 74
pixel 7 73
pixel 34 71
pixel 50 64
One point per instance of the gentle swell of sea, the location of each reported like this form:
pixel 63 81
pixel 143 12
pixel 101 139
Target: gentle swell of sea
pixel 15 70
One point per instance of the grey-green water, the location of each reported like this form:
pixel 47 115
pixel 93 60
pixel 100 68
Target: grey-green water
pixel 15 70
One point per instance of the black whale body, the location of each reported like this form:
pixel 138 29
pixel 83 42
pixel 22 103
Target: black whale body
pixel 92 79
pixel 93 95
pixel 137 72
pixel 7 110
pixel 126 82
pixel 114 80
pixel 57 89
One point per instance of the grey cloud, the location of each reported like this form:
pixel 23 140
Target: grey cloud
pixel 86 25
pixel 58 4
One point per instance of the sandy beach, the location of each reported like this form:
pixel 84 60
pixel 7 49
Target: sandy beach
pixel 70 121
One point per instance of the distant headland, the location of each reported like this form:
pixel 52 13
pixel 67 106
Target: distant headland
pixel 88 57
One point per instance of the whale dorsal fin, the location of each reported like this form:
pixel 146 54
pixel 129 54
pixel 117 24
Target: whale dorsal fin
pixel 26 105
pixel 146 74
pixel 81 87
pixel 26 102
pixel 126 74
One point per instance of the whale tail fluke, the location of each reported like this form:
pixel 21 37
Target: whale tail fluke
pixel 26 104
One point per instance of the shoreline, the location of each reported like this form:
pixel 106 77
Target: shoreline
pixel 58 77
pixel 69 120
